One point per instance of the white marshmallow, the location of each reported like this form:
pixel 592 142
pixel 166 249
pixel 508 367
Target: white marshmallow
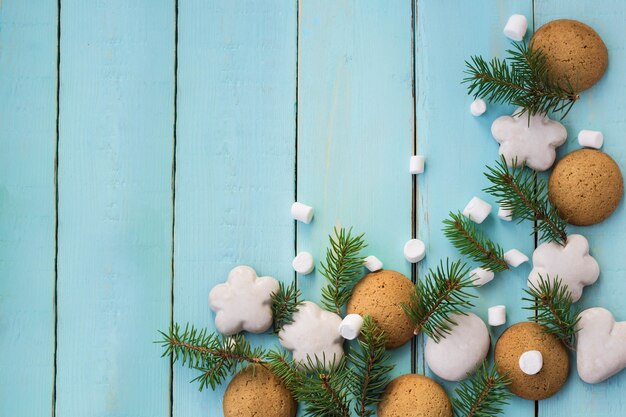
pixel 477 210
pixel 515 258
pixel 302 212
pixel 303 263
pixel 481 276
pixel 416 165
pixel 414 250
pixel 590 138
pixel 505 214
pixel 531 362
pixel 497 315
pixel 350 326
pixel 478 107
pixel 372 263
pixel 516 26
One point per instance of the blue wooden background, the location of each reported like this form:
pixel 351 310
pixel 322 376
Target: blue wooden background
pixel 148 146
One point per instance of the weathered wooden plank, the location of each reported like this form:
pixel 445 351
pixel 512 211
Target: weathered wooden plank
pixel 115 206
pixel 600 108
pixel 235 159
pixel 458 146
pixel 28 48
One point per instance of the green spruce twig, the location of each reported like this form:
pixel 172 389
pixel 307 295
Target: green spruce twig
pixel 464 236
pixel 441 294
pixel 370 365
pixel 285 303
pixel 325 390
pixel 482 395
pixel 552 302
pixel 521 191
pixel 522 79
pixel 342 268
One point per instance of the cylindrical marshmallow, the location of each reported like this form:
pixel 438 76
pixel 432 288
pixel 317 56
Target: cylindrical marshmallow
pixel 414 250
pixel 496 315
pixel 505 213
pixel 350 326
pixel 481 276
pixel 416 166
pixel 477 210
pixel 516 27
pixel 531 362
pixel 590 138
pixel 515 258
pixel 303 263
pixel 372 263
pixel 302 212
pixel 478 107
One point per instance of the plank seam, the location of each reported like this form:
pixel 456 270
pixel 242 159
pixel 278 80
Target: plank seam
pixel 536 235
pixel 414 190
pixel 295 163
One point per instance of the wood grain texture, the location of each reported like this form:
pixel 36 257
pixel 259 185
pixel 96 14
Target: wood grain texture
pixel 115 207
pixel 600 108
pixel 355 131
pixel 235 158
pixel 457 146
pixel 28 49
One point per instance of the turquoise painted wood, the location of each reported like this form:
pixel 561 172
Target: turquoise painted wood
pixel 235 159
pixel 600 108
pixel 457 146
pixel 27 133
pixel 115 206
pixel 355 131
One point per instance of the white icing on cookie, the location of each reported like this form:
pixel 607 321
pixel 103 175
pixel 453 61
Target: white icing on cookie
pixel 243 302
pixel 313 333
pixel 534 144
pixel 571 263
pixel 601 345
pixel 461 351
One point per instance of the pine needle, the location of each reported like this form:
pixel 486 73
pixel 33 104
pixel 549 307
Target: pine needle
pixel 464 236
pixel 522 79
pixel 342 268
pixel 482 395
pixel 442 294
pixel 552 302
pixel 521 191
pixel 285 303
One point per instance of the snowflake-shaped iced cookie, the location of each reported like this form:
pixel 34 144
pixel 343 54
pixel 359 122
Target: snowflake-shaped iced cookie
pixel 243 302
pixel 313 333
pixel 572 263
pixel 533 144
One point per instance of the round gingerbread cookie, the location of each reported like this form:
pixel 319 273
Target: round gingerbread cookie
pixel 380 295
pixel 529 336
pixel 586 186
pixel 414 395
pixel 256 391
pixel 574 52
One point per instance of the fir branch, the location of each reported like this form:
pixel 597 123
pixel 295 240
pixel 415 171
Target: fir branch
pixel 552 302
pixel 522 79
pixel 521 191
pixel 325 393
pixel 440 295
pixel 285 303
pixel 370 368
pixel 464 236
pixel 482 395
pixel 342 269
pixel 215 356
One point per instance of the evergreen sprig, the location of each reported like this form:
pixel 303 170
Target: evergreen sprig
pixel 214 356
pixel 371 368
pixel 342 268
pixel 521 191
pixel 464 236
pixel 552 302
pixel 522 79
pixel 285 303
pixel 482 395
pixel 441 294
